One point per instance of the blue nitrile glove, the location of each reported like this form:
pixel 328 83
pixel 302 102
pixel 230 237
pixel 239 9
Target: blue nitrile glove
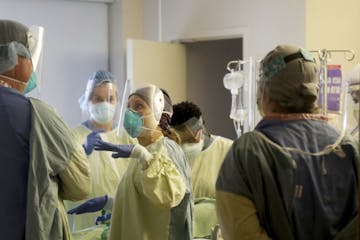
pixel 91 139
pixel 105 217
pixel 92 205
pixel 120 151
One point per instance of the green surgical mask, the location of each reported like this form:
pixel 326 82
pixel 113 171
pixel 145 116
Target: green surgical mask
pixel 31 84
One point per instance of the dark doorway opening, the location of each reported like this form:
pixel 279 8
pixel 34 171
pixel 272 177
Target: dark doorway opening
pixel 206 67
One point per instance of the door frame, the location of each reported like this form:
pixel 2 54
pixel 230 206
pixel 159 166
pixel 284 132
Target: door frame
pixel 229 33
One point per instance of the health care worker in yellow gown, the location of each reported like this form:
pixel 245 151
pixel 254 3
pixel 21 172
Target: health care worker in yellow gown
pixel 205 154
pixel 41 163
pixel 99 100
pixel 153 200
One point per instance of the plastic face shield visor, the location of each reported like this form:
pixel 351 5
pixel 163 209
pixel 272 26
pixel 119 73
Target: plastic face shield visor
pixel 354 91
pixel 35 37
pixel 191 131
pixel 31 48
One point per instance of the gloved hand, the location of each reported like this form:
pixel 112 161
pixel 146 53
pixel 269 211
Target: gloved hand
pixel 124 151
pixel 121 151
pixel 105 217
pixel 91 139
pixel 92 205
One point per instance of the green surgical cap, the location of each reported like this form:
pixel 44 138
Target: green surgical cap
pixel 290 76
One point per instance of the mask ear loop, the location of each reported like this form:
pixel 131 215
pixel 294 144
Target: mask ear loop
pixel 9 85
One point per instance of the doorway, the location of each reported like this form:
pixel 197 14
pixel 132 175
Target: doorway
pixel 190 71
pixel 205 68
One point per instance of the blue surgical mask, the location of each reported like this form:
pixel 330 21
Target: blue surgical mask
pixel 133 123
pixel 31 84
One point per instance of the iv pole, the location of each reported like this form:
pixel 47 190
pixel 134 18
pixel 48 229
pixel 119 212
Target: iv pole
pixel 242 90
pixel 324 55
pixel 242 118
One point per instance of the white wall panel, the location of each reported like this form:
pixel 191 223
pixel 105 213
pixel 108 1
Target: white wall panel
pixel 266 23
pixel 76 44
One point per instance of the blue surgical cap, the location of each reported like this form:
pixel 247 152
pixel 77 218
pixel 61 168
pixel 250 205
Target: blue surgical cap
pixel 13 42
pixel 96 79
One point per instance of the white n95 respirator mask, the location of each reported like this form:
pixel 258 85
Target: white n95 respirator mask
pixel 192 150
pixel 102 112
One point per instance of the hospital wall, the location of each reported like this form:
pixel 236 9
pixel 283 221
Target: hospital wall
pixel 264 24
pixel 75 45
pixel 261 24
pixel 335 26
pixel 332 25
pixel 125 21
pixel 83 36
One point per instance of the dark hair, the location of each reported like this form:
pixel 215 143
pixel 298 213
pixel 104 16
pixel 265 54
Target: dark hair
pixel 167 112
pixel 166 118
pixel 183 111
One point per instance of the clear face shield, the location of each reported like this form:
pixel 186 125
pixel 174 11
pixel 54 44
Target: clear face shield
pixel 192 135
pixel 125 93
pixel 36 43
pixel 29 48
pixel 354 91
pixel 353 81
pixel 99 103
pixel 191 131
pixel 241 82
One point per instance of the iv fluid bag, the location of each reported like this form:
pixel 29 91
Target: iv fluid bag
pixel 233 81
pixel 241 82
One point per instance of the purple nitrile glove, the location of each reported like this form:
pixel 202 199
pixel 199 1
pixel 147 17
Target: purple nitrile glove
pixel 120 151
pixel 92 205
pixel 103 218
pixel 91 139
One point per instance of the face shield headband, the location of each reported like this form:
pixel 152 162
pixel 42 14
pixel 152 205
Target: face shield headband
pixel 274 66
